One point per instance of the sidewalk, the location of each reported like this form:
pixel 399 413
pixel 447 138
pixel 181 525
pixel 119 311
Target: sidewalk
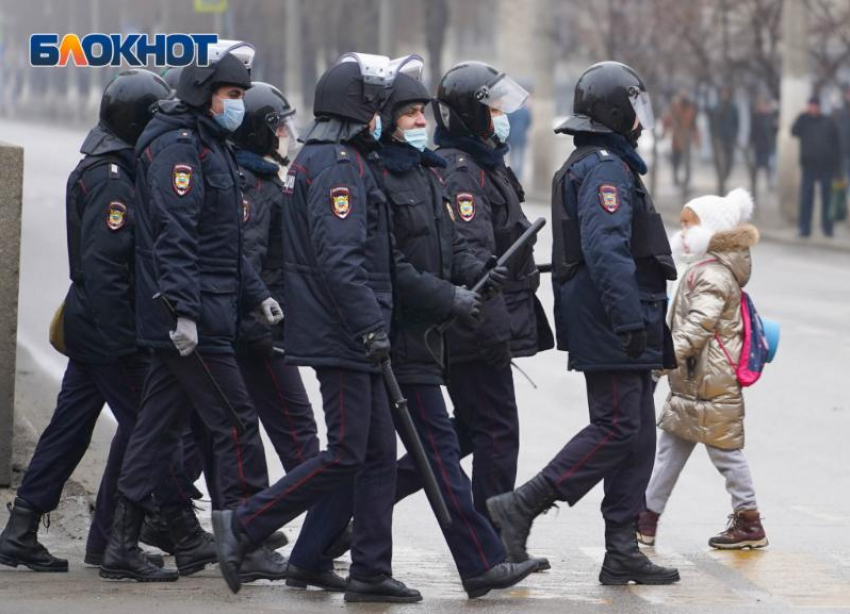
pixel 668 200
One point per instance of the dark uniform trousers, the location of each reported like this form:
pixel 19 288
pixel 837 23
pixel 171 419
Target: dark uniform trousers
pixel 85 389
pixel 471 538
pixel 487 426
pixel 281 402
pixel 618 445
pixel 362 446
pixel 174 386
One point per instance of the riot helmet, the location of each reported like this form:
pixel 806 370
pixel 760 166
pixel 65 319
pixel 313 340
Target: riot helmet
pixel 171 76
pixel 266 109
pixel 609 97
pixel 466 94
pixel 228 66
pixel 125 107
pixel 359 84
pixel 406 90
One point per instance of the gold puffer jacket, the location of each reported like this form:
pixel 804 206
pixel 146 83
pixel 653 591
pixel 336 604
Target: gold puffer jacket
pixel 705 403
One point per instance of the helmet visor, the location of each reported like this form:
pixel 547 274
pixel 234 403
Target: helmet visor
pixel 643 107
pixel 503 94
pixel 243 51
pixel 381 70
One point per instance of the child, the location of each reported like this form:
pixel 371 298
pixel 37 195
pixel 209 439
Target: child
pixel 705 404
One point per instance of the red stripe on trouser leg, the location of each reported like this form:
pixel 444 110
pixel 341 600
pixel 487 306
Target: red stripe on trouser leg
pixel 239 467
pixel 616 414
pixel 312 474
pixel 292 432
pixel 448 487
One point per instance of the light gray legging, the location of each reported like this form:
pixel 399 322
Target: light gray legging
pixel 673 453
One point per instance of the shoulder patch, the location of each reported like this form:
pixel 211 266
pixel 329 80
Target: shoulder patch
pixel 116 215
pixel 113 171
pixel 341 201
pixel 465 204
pixel 182 179
pixel 609 197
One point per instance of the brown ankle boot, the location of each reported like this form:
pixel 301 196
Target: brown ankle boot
pixel 744 531
pixel 647 526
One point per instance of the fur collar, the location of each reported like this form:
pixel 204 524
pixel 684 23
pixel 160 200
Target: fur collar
pixel 742 237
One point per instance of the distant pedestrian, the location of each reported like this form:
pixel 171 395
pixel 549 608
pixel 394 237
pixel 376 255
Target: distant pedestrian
pixel 680 122
pixel 820 159
pixel 705 404
pixel 520 121
pixel 724 124
pixel 764 125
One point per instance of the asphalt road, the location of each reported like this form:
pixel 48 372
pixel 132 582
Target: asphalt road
pixel 797 425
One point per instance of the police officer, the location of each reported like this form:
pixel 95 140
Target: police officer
pixel 486 201
pixel 189 249
pixel 611 262
pixel 105 365
pixel 338 297
pixel 276 388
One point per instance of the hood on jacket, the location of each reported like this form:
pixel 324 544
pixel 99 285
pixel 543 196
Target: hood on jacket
pixel 100 140
pixel 732 249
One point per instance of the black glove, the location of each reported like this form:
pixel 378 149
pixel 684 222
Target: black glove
pixel 497 355
pixel 466 305
pixel 377 346
pixel 258 348
pixel 497 277
pixel 634 342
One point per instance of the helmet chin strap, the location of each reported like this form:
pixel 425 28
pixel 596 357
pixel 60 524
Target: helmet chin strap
pixel 632 136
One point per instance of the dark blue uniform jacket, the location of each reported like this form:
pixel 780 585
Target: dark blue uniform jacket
pixel 430 258
pixel 262 215
pixel 336 257
pixel 189 231
pixel 99 325
pixel 487 202
pixel 611 292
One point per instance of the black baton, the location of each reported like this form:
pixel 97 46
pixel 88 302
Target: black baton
pixel 160 298
pixel 414 446
pixel 502 260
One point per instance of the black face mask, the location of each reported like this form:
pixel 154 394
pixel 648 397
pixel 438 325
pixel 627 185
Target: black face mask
pixel 633 135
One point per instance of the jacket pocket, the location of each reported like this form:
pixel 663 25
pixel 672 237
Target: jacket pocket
pixel 411 213
pixel 653 306
pixel 219 305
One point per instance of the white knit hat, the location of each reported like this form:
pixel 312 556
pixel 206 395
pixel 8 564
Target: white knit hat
pixel 719 213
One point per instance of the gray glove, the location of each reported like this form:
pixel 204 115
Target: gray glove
pixel 270 311
pixel 185 336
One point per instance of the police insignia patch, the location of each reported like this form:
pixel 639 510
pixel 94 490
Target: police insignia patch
pixel 609 197
pixel 116 215
pixel 246 210
pixel 465 206
pixel 182 179
pixel 341 202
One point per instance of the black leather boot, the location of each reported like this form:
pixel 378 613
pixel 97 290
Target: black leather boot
pixel 194 548
pixel 503 575
pixel 19 540
pixel 513 513
pixel 382 589
pixel 155 533
pixel 624 562
pixel 232 545
pixel 298 577
pixel 123 558
pixel 262 564
pixel 95 559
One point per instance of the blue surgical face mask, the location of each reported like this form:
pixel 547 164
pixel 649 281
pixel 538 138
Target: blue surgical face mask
pixel 376 133
pixel 231 118
pixel 501 128
pixel 416 137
